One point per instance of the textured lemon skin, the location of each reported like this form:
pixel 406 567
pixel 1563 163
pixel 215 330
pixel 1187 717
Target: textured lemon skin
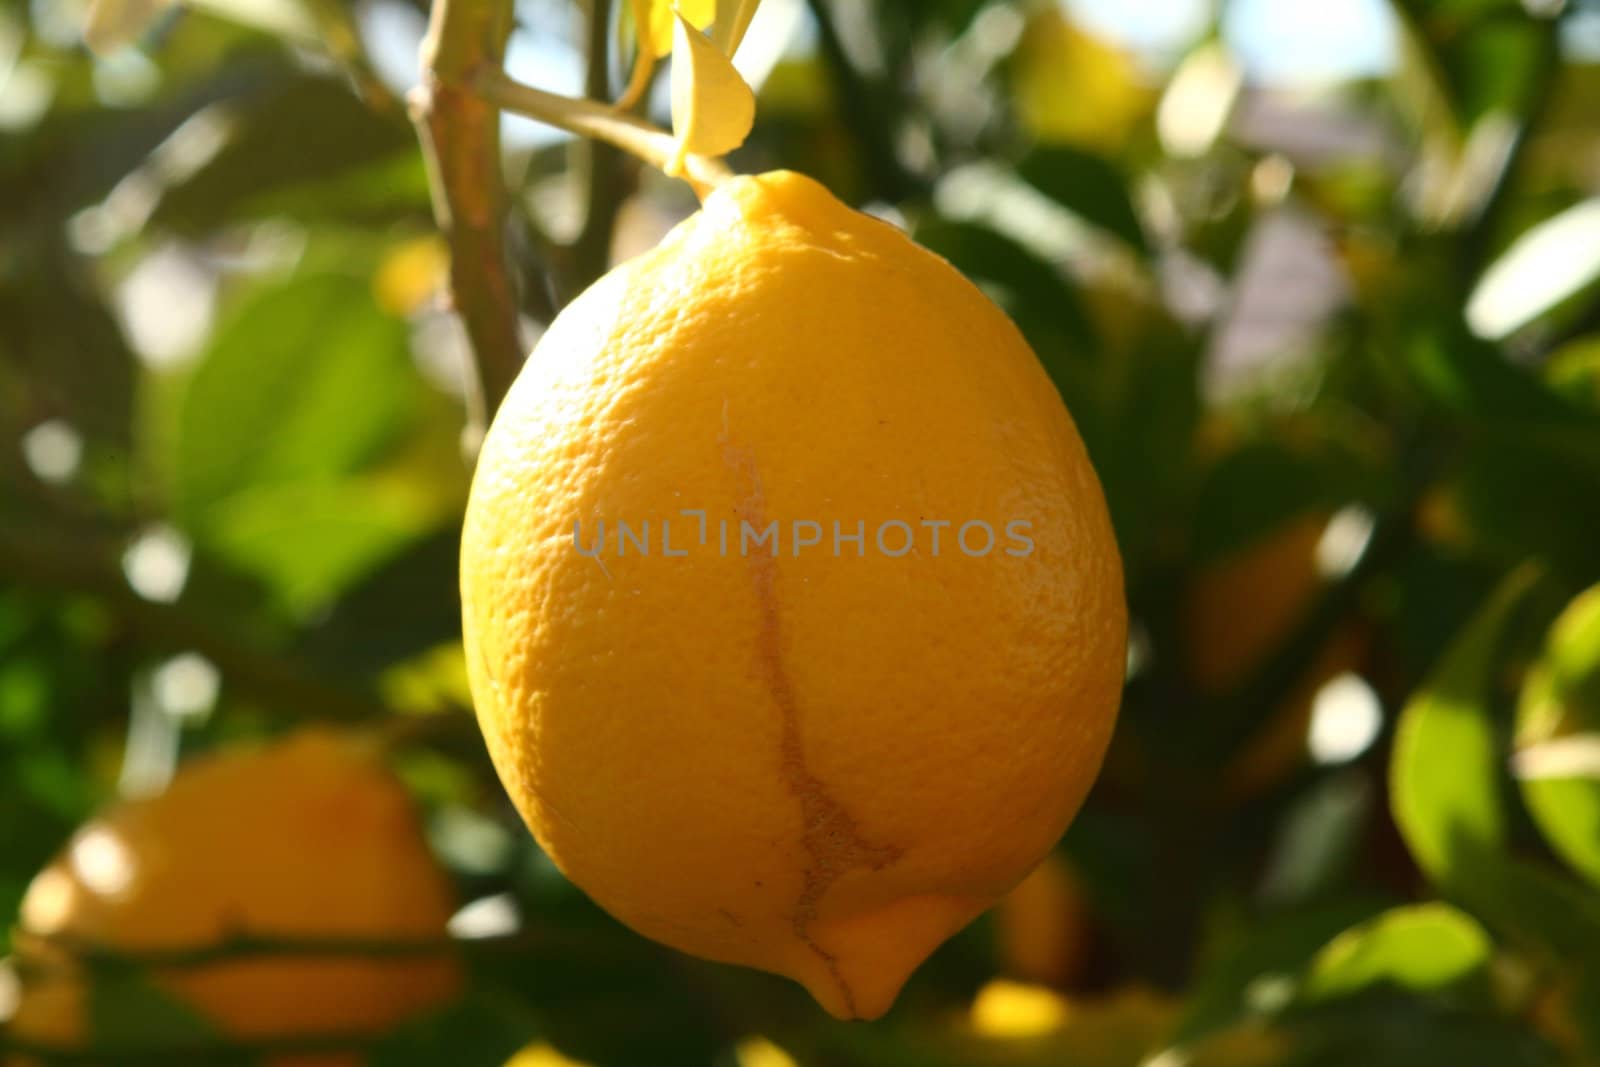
pixel 813 764
pixel 307 838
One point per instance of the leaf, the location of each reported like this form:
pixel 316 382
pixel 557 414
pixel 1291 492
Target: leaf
pixel 114 24
pixel 1089 186
pixel 485 1028
pixel 1044 304
pixel 713 108
pixel 309 540
pixel 1444 776
pixel 1420 947
pixel 1558 736
pixel 307 380
pixel 126 1010
pixel 1551 262
pixel 1272 950
pixel 653 21
pixel 306 136
pixel 732 20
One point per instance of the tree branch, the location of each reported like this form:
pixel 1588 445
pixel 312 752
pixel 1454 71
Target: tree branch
pixel 607 184
pixel 600 122
pixel 460 135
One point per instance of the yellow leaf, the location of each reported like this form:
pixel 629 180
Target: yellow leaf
pixel 712 107
pixel 733 18
pixel 655 18
pixel 112 24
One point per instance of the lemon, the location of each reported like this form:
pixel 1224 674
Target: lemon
pixel 793 615
pixel 1236 613
pixel 308 838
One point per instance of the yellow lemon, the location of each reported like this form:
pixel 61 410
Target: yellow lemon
pixel 793 615
pixel 304 839
pixel 1042 926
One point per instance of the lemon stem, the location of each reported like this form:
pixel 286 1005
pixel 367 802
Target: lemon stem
pixel 601 122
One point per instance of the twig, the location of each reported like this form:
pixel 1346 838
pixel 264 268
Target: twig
pixel 460 135
pixel 591 252
pixel 600 122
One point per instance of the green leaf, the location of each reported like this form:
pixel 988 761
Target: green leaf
pixel 1035 293
pixel 1444 777
pixel 308 133
pixel 1273 950
pixel 126 1010
pixel 485 1028
pixel 305 382
pixel 310 540
pixel 1421 947
pixel 1089 186
pixel 1558 737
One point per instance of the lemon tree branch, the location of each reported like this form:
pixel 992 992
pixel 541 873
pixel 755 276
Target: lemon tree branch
pixel 607 181
pixel 460 135
pixel 601 122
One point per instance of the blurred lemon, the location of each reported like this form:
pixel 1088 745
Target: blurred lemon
pixel 542 1055
pixel 1042 926
pixel 1236 612
pixel 825 761
pixel 307 838
pixel 411 274
pixel 1072 87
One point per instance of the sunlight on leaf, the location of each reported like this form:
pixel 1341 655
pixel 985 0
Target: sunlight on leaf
pixel 114 24
pixel 732 20
pixel 1558 735
pixel 1445 772
pixel 1418 947
pixel 654 20
pixel 712 107
pixel 1552 261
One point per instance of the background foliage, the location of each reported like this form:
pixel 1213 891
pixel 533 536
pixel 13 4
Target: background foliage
pixel 1335 349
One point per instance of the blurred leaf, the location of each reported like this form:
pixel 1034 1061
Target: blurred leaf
pixel 272 401
pixel 127 1010
pixel 63 355
pixel 1485 55
pixel 404 608
pixel 1089 186
pixel 310 539
pixel 1032 291
pixel 1444 776
pixel 114 24
pixel 1420 947
pixel 1544 266
pixel 305 132
pixel 485 1028
pixel 1560 706
pixel 1409 1032
pixel 1271 951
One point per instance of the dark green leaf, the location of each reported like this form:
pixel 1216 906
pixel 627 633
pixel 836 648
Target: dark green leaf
pixel 1089 186
pixel 483 1029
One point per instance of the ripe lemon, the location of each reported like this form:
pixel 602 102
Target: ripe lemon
pixel 812 755
pixel 1042 927
pixel 304 839
pixel 1235 614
